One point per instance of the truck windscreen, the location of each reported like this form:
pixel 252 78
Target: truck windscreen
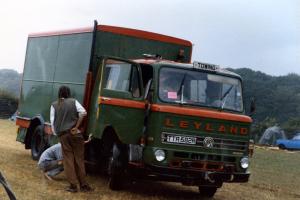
pixel 200 88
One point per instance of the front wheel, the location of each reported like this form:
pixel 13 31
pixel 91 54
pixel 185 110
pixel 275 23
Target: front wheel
pixel 207 191
pixel 281 146
pixel 38 144
pixel 117 166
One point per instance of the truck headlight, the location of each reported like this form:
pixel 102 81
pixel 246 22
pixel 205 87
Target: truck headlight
pixel 244 162
pixel 160 155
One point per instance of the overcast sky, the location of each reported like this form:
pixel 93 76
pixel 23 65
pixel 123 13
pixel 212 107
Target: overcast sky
pixel 259 34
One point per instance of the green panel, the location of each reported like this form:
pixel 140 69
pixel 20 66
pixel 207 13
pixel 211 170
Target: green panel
pixel 128 47
pixel 40 58
pixel 36 98
pixel 51 62
pixel 157 126
pixel 127 122
pixel 73 58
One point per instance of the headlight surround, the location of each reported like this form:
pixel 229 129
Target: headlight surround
pixel 160 155
pixel 244 162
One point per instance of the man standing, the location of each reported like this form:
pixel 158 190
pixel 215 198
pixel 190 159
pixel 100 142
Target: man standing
pixel 66 115
pixel 50 161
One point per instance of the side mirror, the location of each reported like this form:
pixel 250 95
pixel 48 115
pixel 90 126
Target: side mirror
pixel 252 106
pixel 147 89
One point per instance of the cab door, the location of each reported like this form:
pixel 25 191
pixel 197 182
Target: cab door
pixel 119 101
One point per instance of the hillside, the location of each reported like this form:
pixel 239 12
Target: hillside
pixel 10 81
pixel 276 96
pixel 9 92
pixel 277 99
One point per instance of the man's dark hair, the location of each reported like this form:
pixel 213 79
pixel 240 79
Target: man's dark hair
pixel 64 92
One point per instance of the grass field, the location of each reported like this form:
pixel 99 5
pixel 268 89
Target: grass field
pixel 275 175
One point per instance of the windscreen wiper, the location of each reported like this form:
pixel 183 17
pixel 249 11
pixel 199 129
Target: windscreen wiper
pixel 224 97
pixel 181 89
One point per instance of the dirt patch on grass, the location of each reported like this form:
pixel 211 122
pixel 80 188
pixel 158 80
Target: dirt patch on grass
pixel 274 176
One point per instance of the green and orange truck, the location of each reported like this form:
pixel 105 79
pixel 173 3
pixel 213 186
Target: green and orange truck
pixel 152 113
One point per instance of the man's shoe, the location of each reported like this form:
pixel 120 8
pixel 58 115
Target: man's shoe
pixel 86 188
pixel 72 188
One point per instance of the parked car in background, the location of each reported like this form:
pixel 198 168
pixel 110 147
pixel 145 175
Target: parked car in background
pixel 292 144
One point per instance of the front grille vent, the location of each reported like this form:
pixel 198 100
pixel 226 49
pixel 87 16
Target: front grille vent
pixel 204 157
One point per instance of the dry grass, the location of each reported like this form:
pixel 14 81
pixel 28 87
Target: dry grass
pixel 275 175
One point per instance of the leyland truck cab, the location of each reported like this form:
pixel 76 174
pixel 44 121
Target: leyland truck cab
pixel 171 121
pixel 152 114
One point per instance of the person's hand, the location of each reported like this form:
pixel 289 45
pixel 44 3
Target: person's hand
pixel 74 131
pixel 89 139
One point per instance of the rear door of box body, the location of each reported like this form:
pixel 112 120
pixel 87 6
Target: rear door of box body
pixel 52 61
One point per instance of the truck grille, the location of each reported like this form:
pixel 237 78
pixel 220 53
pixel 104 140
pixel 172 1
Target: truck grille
pixel 204 157
pixel 198 141
pixel 200 161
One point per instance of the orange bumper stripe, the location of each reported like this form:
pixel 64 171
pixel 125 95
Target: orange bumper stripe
pixel 23 123
pixel 200 113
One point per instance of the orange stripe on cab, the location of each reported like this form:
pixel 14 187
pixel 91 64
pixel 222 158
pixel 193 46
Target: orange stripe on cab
pixel 24 123
pixel 200 113
pixel 175 110
pixel 121 102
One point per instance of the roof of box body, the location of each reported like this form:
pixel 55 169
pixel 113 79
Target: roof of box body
pixel 117 30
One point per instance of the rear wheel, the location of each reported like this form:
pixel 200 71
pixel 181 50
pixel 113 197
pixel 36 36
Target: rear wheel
pixel 38 144
pixel 207 191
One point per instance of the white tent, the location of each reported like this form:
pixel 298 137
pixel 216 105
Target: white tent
pixel 272 134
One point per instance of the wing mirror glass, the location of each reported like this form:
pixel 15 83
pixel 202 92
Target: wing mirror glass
pixel 252 106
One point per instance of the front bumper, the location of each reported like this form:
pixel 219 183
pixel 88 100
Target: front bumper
pixel 187 176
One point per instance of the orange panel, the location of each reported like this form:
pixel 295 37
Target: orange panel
pixel 200 113
pixel 121 102
pixel 23 123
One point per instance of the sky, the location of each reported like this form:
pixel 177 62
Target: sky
pixel 263 35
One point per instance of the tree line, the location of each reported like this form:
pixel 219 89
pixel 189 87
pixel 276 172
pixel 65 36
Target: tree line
pixel 277 100
pixel 10 81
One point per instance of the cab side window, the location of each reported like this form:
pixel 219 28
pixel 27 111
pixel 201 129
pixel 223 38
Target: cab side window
pixel 135 83
pixel 122 76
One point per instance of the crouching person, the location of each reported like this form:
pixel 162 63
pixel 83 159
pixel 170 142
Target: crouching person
pixel 50 161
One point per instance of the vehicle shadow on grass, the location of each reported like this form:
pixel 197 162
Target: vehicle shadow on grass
pixel 163 190
pixel 154 189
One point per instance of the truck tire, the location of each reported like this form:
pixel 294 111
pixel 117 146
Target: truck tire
pixel 38 144
pixel 207 191
pixel 281 146
pixel 117 166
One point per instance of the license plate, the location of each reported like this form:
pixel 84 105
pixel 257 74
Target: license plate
pixel 177 139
